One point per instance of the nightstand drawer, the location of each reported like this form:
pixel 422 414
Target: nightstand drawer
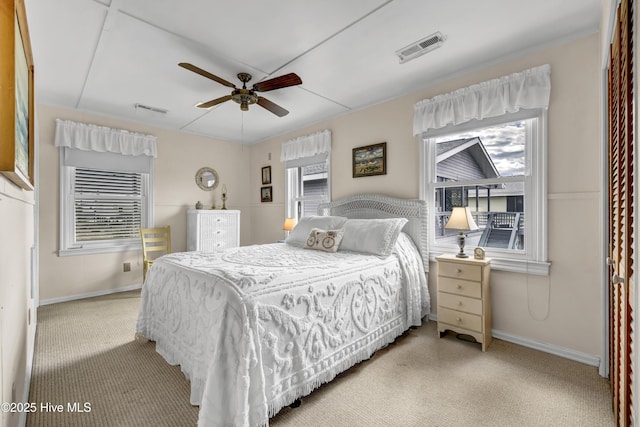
pixel 460 319
pixel 460 271
pixel 460 287
pixel 457 302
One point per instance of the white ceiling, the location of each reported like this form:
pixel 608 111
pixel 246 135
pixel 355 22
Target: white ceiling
pixel 105 56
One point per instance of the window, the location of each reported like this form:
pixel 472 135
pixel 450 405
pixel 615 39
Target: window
pixel 484 147
pixel 497 168
pixel 102 210
pixel 105 188
pixel 307 186
pixel 107 205
pixel 307 165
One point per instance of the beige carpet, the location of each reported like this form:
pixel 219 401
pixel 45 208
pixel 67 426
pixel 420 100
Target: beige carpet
pixel 85 353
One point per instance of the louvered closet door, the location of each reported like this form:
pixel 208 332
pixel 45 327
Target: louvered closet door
pixel 621 213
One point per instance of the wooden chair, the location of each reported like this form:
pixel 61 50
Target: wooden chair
pixel 155 243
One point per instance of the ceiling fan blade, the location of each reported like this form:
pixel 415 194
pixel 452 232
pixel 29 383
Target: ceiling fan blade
pixel 214 102
pixel 274 108
pixel 206 74
pixel 286 80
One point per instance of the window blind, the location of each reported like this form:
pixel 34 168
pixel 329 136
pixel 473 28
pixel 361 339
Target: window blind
pixel 108 204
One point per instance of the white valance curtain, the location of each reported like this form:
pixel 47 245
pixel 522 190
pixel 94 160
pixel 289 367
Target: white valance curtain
pixel 312 145
pixel 528 89
pixel 88 137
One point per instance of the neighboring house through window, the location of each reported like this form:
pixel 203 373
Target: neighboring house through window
pixel 307 165
pixel 484 147
pixel 492 175
pixel 105 187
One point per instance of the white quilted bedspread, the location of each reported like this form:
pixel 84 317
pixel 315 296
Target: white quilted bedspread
pixel 256 327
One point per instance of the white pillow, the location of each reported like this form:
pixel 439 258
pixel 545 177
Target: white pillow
pixel 372 236
pixel 299 234
pixel 324 240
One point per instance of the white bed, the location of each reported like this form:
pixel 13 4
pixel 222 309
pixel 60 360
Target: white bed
pixel 253 334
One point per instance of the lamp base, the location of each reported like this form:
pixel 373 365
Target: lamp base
pixel 461 241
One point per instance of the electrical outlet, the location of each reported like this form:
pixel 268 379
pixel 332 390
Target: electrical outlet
pixel 126 267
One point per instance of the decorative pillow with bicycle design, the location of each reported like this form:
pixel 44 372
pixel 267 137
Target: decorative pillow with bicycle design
pixel 324 240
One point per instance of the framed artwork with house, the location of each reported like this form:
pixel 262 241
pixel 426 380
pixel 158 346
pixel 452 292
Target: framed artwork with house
pixel 370 160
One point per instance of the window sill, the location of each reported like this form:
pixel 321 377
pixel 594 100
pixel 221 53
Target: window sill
pixel 89 250
pixel 539 268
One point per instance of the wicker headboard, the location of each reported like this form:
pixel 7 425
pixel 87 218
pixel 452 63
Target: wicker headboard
pixel 368 206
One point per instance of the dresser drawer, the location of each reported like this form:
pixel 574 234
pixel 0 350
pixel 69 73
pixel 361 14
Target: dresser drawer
pixel 460 319
pixel 460 287
pixel 460 271
pixel 457 302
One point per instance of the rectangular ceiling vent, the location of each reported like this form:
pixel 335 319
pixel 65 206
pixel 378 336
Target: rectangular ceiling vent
pixel 150 110
pixel 420 47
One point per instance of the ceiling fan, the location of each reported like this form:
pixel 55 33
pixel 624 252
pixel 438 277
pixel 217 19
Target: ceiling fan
pixel 244 96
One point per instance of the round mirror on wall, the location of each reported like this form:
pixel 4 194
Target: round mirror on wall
pixel 207 179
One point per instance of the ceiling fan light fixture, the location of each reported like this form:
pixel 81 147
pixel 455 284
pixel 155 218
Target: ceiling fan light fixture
pixel 244 96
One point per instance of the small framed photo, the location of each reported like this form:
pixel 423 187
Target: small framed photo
pixel 266 175
pixel 370 160
pixel 265 194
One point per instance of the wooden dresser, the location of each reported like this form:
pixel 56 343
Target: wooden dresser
pixel 464 297
pixel 212 230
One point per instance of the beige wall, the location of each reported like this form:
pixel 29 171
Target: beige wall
pixel 180 155
pixel 16 303
pixel 563 309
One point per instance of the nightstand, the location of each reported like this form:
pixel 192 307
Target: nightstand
pixel 464 297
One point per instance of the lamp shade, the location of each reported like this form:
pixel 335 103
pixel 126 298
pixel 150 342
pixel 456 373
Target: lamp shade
pixel 461 219
pixel 289 223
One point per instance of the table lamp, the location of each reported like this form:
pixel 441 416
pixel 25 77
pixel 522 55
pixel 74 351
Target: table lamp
pixel 289 224
pixel 461 220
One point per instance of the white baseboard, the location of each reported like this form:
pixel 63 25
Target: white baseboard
pixel 89 295
pixel 567 353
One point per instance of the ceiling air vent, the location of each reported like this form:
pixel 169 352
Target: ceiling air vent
pixel 420 47
pixel 154 111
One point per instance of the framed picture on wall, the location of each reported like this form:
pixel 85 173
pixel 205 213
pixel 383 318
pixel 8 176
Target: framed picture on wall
pixel 266 175
pixel 370 160
pixel 16 88
pixel 265 194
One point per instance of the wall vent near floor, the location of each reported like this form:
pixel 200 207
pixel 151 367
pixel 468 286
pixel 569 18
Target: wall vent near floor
pixel 421 47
